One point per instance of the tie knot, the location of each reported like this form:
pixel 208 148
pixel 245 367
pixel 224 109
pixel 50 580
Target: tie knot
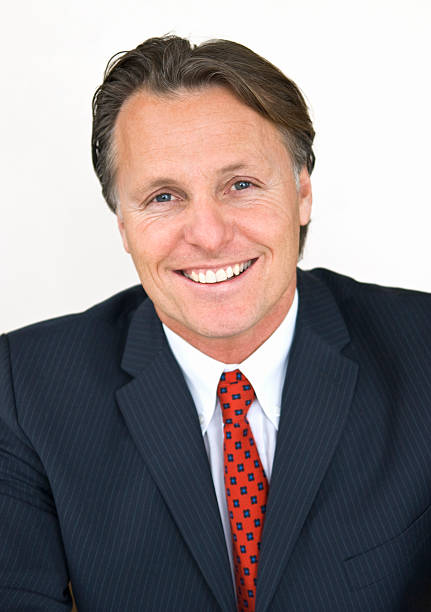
pixel 236 395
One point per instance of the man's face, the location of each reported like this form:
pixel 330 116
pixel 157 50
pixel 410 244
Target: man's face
pixel 210 213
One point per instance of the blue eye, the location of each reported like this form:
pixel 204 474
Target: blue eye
pixel 241 185
pixel 163 197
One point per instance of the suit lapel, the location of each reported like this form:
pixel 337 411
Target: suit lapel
pixel 163 422
pixel 317 394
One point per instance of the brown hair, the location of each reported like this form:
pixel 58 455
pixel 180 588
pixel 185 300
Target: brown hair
pixel 165 65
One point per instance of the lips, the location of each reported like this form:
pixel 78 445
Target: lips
pixel 217 275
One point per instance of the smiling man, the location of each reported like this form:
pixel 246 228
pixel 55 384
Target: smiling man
pixel 210 210
pixel 233 433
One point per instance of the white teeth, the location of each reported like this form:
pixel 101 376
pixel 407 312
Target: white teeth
pixel 220 275
pixel 210 277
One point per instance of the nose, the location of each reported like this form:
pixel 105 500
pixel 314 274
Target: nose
pixel 208 224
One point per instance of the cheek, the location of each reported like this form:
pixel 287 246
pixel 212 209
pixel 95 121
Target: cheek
pixel 148 240
pixel 273 225
pixel 141 247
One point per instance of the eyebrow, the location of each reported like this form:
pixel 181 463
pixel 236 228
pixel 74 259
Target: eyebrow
pixel 233 167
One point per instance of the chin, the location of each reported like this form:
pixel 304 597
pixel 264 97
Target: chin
pixel 218 329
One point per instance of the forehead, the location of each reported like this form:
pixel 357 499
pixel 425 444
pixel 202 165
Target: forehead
pixel 209 126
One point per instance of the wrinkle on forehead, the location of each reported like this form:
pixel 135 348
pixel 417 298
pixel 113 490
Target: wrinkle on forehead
pixel 182 111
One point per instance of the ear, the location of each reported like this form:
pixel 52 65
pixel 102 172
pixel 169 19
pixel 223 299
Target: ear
pixel 305 197
pixel 122 228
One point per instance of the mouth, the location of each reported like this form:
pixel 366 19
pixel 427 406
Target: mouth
pixel 217 275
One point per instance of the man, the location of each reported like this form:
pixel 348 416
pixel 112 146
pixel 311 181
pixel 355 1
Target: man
pixel 249 436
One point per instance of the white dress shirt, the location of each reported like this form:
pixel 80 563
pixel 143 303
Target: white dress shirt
pixel 265 370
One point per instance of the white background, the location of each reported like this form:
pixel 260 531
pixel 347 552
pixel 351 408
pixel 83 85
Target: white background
pixel 364 68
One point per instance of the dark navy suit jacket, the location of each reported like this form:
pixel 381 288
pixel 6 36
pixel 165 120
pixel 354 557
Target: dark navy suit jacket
pixel 104 478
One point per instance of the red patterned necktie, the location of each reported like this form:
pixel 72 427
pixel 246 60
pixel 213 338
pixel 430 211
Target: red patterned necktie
pixel 245 482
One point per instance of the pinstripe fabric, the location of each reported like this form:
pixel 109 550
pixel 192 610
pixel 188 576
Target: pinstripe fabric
pixel 96 450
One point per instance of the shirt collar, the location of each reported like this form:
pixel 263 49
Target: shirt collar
pixel 265 369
